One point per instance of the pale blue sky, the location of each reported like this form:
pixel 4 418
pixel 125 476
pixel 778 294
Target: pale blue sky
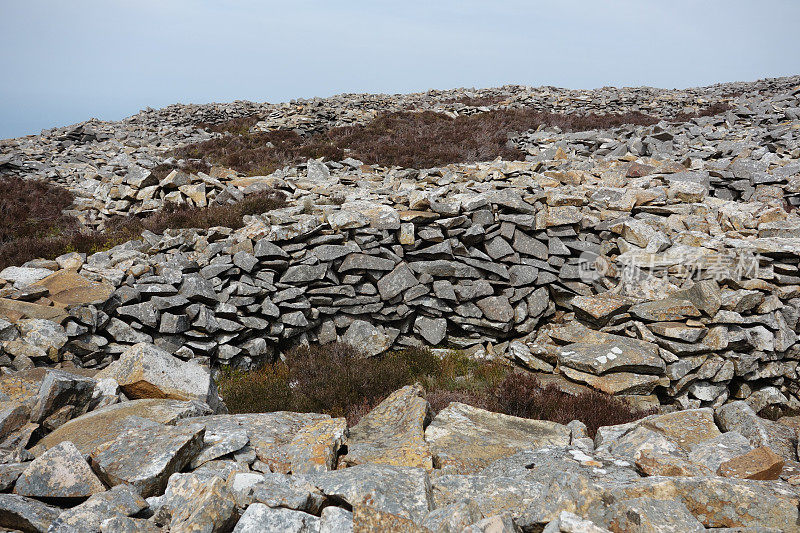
pixel 66 61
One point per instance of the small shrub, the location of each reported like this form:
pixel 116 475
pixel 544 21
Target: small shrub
pixel 522 395
pixel 714 109
pixel 407 139
pixel 235 126
pixel 336 379
pixel 33 225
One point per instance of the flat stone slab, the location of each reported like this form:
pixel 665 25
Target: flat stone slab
pixel 401 490
pixel 618 382
pixel 26 514
pixel 464 439
pixel 664 310
pixel 120 501
pixel 273 436
pixel 97 427
pixel 393 432
pixel 68 288
pixel 60 472
pixel 145 457
pixel 606 353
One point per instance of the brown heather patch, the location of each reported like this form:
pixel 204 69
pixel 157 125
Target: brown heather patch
pixel 407 139
pixel 709 111
pixel 33 226
pixel 336 379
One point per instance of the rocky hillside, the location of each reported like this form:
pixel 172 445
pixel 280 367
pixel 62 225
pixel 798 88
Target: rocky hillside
pixel 639 242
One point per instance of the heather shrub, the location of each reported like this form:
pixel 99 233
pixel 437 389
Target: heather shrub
pixel 522 395
pixel 32 224
pixel 407 139
pixel 336 379
pixel 235 126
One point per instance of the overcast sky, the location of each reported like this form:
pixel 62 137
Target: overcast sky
pixel 66 61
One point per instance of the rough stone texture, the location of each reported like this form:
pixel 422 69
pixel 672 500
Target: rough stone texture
pixel 60 472
pixel 393 432
pixel 145 371
pixel 103 425
pixel 400 490
pixel 464 439
pixel 145 458
pixel 258 518
pixel 26 514
pixel 272 436
pixel 120 501
pixel 760 463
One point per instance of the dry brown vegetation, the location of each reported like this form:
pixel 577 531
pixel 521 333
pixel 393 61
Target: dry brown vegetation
pixel 406 139
pixel 32 224
pixel 336 379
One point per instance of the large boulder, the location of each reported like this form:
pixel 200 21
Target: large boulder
pixel 465 439
pixel 19 513
pixel 145 457
pixel 98 427
pixel 60 472
pixel 401 490
pixel 67 288
pixel 120 501
pixel 284 442
pixel 393 433
pixel 146 371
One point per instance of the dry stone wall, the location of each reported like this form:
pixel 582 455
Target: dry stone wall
pixel 655 262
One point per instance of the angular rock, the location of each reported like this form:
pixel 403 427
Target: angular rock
pixel 610 353
pixel 393 432
pixel 369 339
pixel 396 281
pixel 145 458
pixel 146 371
pixel 103 425
pixel 465 439
pixel 273 436
pixel 760 463
pixel 120 501
pixel 60 472
pixel 258 518
pixel 400 490
pixel 26 514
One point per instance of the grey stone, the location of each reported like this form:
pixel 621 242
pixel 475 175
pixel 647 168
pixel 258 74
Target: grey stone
pixel 26 514
pixel 258 518
pixel 61 472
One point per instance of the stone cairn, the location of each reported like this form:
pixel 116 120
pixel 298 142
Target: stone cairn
pixel 660 264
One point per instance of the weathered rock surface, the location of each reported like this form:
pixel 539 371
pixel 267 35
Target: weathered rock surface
pixel 464 439
pixel 659 263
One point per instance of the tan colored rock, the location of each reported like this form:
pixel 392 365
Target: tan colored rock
pixel 393 432
pixel 618 382
pixel 464 439
pixel 68 288
pixel 367 518
pixel 316 446
pixel 146 371
pixel 760 463
pixel 14 310
pixel 273 437
pixel 651 463
pixel 103 425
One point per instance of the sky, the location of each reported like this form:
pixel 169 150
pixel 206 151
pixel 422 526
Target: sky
pixel 63 62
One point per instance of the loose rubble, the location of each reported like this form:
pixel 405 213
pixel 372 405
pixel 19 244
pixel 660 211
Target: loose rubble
pixel 660 264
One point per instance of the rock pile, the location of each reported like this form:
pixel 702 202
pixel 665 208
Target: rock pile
pixel 660 264
pixel 138 448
